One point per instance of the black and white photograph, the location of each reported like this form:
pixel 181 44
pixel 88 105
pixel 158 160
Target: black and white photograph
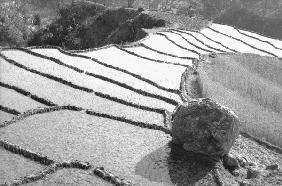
pixel 141 92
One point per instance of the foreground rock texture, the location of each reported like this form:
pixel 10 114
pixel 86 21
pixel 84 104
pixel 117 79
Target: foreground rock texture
pixel 203 126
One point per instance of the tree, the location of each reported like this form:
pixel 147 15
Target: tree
pixel 14 22
pixel 36 20
pixel 130 3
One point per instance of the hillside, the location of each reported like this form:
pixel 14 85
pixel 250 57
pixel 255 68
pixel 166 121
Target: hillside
pixel 55 22
pixel 102 116
pixel 245 19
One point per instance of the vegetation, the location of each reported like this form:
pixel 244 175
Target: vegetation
pixel 246 20
pixel 13 21
pixel 66 29
pixel 250 85
pixel 80 24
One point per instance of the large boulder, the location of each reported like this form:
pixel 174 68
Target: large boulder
pixel 204 126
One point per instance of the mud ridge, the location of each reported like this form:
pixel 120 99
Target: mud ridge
pixel 39 111
pixel 258 39
pixel 138 77
pixel 9 110
pixel 261 34
pixel 33 177
pixel 235 51
pixel 198 47
pixel 161 34
pixel 133 45
pixel 106 175
pixel 99 94
pixel 123 85
pixel 44 160
pixel 54 167
pixel 273 55
pixel 139 124
pixel 150 59
pixel 28 94
pixel 167 54
pixel 219 50
pixel 119 69
pixel 166 116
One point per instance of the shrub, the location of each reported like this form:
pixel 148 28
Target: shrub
pixel 13 21
pixel 65 31
pixel 83 25
pixel 36 20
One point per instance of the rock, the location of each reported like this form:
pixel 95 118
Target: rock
pixel 252 164
pixel 243 183
pixel 236 173
pixel 230 162
pixel 140 9
pixel 253 172
pixel 241 173
pixel 212 55
pixel 204 126
pixel 272 167
pixel 242 161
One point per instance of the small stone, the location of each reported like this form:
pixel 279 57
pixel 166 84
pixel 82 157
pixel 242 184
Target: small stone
pixel 140 9
pixel 30 177
pixel 242 161
pixel 230 162
pixel 243 183
pixel 125 183
pixel 272 167
pixel 236 172
pixel 101 168
pixel 253 172
pixel 204 126
pixel 252 164
pixel 116 180
pixel 99 171
pixel 212 55
pixel 84 165
pixel 107 177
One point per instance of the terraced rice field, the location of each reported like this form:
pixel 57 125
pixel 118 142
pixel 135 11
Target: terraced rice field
pixel 111 106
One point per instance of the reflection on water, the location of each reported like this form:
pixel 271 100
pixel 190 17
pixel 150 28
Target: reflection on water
pixel 173 165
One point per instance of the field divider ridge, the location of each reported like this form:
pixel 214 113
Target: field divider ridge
pixel 193 51
pixel 258 39
pixel 217 42
pixel 28 94
pixel 167 54
pixel 123 85
pixel 99 94
pixel 9 110
pixel 150 59
pixel 175 91
pixel 53 166
pixel 261 50
pixel 196 46
pixel 251 31
pixel 217 49
pixel 90 112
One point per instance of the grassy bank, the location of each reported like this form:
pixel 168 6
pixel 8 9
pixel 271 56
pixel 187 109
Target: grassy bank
pixel 252 87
